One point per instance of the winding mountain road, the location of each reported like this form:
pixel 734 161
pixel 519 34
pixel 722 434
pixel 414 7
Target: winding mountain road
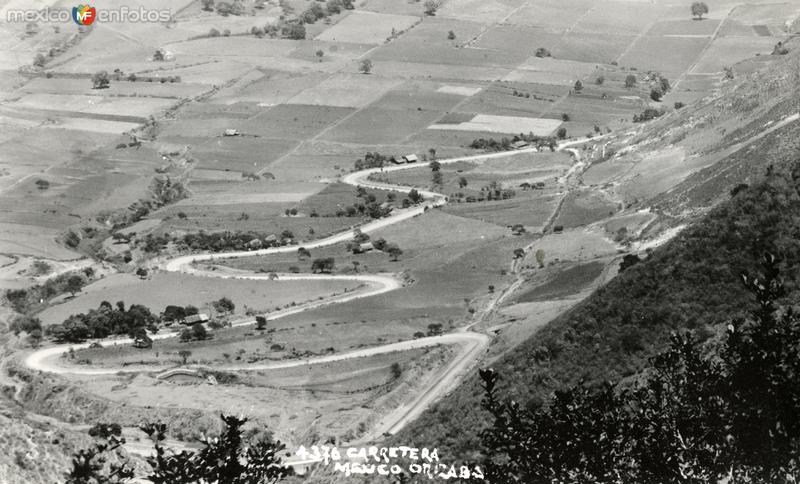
pixel 472 344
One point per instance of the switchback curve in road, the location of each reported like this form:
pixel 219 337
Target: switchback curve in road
pixel 473 343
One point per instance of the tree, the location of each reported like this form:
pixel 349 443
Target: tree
pixel 184 354
pixel 699 9
pixel 75 283
pixel 561 133
pixel 630 81
pixel 24 323
pixel 397 370
pixel 92 465
pixel 491 289
pixel 185 336
pixel 42 184
pixel 540 257
pixel 228 458
pixel 519 253
pixel 578 86
pixel 359 237
pixel 394 251
pixel 462 182
pixel 656 93
pixel 208 5
pixel 173 313
pixel 333 7
pixel 365 67
pixel 451 35
pixel 100 80
pixel 431 6
pixel 320 54
pixel 199 332
pixel 542 52
pixel 224 305
pixel 600 80
pixel 518 229
pixel 302 253
pixel 39 60
pixel 324 265
pixel 436 178
pixel 294 30
pixel 415 196
pixel 141 272
pixel 434 329
pixel 261 323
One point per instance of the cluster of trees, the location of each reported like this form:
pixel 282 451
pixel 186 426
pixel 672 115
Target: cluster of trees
pixel 648 114
pixel 436 173
pixel 236 7
pixel 162 191
pixel 506 144
pixel 29 325
pixel 367 204
pixel 223 305
pixel 372 160
pixel 25 301
pixel 332 7
pixel 177 313
pixel 323 265
pixel 532 186
pixel 431 6
pixel 230 457
pixel 659 85
pixel 197 332
pixel 494 191
pixel 105 321
pixel 701 413
pixel 688 284
pixel 380 244
pixel 231 241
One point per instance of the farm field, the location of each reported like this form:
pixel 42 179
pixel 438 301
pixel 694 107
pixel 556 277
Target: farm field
pixel 584 207
pixel 566 282
pixel 471 178
pixel 163 289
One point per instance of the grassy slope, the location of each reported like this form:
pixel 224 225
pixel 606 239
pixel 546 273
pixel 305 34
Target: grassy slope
pixel 689 283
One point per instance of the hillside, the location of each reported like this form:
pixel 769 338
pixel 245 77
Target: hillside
pixel 690 283
pixel 687 161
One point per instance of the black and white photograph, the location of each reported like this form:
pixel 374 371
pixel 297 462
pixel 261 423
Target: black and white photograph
pixel 400 241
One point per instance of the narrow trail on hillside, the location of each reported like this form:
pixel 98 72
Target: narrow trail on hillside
pixel 472 343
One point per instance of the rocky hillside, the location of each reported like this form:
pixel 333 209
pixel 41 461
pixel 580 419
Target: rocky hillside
pixel 687 161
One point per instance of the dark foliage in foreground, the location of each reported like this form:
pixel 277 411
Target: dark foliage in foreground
pixel 226 459
pixel 727 411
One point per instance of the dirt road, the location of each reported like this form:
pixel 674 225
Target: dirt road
pixel 472 343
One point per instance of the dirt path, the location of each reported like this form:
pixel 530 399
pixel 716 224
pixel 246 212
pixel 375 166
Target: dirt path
pixel 473 344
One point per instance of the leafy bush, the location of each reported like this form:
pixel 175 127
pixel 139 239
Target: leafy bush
pixel 227 458
pixel 700 414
